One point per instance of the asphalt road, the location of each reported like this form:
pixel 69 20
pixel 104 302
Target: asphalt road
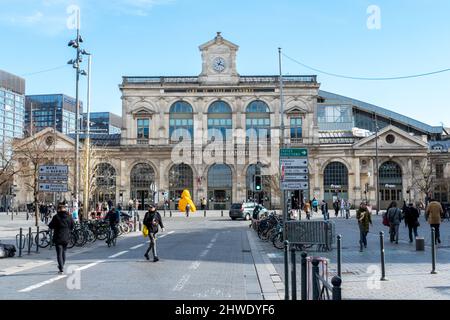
pixel 199 259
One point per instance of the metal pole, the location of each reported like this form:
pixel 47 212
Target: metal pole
pixel 337 290
pixel 383 262
pixel 37 239
pixel 286 270
pixel 222 213
pixel 339 256
pixel 29 240
pixel 377 183
pixel 315 279
pixel 294 274
pixel 304 276
pixel 20 242
pixel 88 141
pixel 134 223
pixel 204 213
pixel 77 118
pixel 171 213
pixel 433 250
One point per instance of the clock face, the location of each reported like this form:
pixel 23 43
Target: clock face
pixel 219 64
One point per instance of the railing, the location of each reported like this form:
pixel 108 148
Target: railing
pixel 310 233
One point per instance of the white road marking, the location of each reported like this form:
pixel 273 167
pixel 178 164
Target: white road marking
pixel 90 265
pixel 170 232
pixel 117 254
pixel 204 253
pixel 136 247
pixel 41 284
pixel 209 246
pixel 194 265
pixel 162 236
pixel 180 285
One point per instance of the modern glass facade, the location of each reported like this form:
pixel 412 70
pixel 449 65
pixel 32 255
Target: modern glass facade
pixel 54 110
pixel 103 123
pixel 334 117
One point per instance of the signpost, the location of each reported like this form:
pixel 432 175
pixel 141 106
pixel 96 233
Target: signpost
pixel 294 168
pixel 53 178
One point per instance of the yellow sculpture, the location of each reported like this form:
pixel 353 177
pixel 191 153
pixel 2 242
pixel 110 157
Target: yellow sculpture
pixel 185 200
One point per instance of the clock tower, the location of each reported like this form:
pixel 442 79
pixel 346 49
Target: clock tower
pixel 219 62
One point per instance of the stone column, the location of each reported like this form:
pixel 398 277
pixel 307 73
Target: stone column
pixel 357 180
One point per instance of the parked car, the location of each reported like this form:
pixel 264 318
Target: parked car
pixel 243 210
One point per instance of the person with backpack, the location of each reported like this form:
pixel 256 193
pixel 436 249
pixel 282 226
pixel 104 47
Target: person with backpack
pixel 62 225
pixel 411 220
pixel 153 220
pixel 394 216
pixel 364 218
pixel 113 218
pixel 307 209
pixel 315 205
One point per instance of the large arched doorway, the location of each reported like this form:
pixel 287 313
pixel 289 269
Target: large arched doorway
pixel 181 177
pixel 220 187
pixel 335 182
pixel 260 196
pixel 391 184
pixel 142 182
pixel 104 184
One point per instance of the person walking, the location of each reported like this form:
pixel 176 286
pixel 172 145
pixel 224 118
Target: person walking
pixel 411 215
pixel 130 207
pixel 343 202
pixel 152 220
pixel 324 209
pixel 315 205
pixel 307 209
pixel 62 225
pixel 188 208
pixel 347 209
pixel 394 216
pixel 113 218
pixel 336 206
pixel 433 215
pixel 364 218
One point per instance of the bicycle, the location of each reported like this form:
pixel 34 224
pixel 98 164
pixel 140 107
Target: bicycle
pixel 43 239
pixel 112 236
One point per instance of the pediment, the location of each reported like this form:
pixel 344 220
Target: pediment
pixel 392 138
pixel 218 41
pixel 142 111
pixel 44 139
pixel 296 109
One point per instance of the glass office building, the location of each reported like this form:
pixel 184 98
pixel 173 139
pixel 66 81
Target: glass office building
pixel 103 123
pixel 52 110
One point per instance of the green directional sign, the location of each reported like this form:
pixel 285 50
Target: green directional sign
pixel 293 152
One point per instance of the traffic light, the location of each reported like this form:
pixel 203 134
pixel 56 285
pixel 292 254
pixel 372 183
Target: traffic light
pixel 258 183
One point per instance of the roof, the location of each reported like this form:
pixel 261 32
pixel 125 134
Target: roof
pixel 12 82
pixel 370 108
pixel 442 146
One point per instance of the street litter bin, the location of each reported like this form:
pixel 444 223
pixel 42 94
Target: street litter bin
pixel 420 244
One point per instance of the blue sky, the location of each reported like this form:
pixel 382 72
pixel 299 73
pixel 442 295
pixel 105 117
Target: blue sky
pixel 161 37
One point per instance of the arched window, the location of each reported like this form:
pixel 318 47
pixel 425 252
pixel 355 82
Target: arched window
pixel 335 182
pixel 142 182
pixel 181 177
pixel 390 173
pixel 181 123
pixel 258 119
pixel 104 183
pixel 219 120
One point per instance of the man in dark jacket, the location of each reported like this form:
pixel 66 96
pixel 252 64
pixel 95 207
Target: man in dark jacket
pixel 62 225
pixel 411 220
pixel 394 216
pixel 113 217
pixel 324 209
pixel 152 221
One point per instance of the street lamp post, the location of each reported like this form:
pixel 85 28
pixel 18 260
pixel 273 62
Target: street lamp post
pixel 377 182
pixel 76 44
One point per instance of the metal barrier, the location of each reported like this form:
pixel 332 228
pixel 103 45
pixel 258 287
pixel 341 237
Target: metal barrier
pixel 320 233
pixel 321 288
pixel 312 272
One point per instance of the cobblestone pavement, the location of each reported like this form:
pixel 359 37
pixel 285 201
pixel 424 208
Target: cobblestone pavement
pixel 407 270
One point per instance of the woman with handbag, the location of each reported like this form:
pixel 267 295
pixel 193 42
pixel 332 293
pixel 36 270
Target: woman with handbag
pixel 412 220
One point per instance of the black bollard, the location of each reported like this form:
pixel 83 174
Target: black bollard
pixel 29 240
pixel 315 279
pixel 304 276
pixel 140 226
pixel 171 213
pixel 222 213
pixel 51 238
pixel 204 213
pixel 433 250
pixel 339 256
pixel 37 239
pixel 20 242
pixel 294 274
pixel 134 226
pixel 286 270
pixel 337 290
pixel 383 262
pixel 164 212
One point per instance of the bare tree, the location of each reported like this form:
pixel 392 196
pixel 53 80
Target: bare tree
pixel 32 153
pixel 7 164
pixel 423 178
